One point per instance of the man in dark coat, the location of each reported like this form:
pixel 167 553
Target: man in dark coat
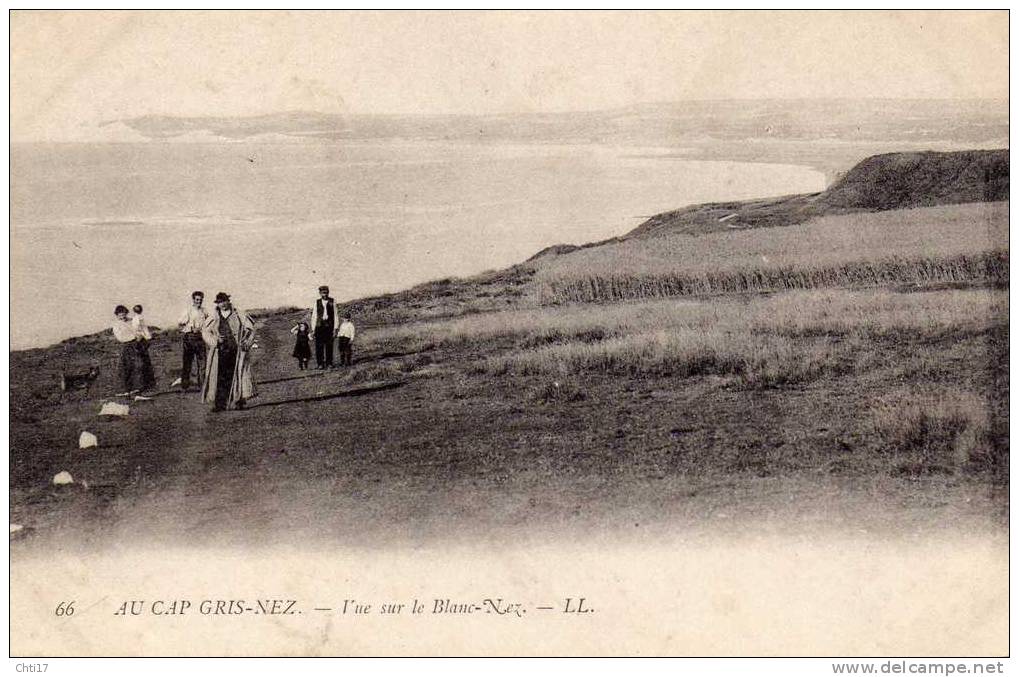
pixel 323 324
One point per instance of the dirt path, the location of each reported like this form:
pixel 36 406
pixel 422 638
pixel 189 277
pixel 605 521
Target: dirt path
pixel 438 454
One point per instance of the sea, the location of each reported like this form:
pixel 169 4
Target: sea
pixel 97 225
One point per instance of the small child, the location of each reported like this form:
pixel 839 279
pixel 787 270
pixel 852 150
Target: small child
pixel 302 348
pixel 139 324
pixel 346 336
pixel 144 336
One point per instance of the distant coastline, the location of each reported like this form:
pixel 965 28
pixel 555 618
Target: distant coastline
pixel 510 201
pixel 876 184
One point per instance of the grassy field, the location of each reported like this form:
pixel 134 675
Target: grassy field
pixel 933 245
pixel 762 342
pixel 821 312
pixel 851 370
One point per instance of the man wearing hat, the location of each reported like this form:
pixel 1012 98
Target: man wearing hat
pixel 323 323
pixel 229 334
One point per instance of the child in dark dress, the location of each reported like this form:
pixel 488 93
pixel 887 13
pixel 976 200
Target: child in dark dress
pixel 302 348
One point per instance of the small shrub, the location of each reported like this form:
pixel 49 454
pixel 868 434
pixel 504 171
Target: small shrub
pixel 924 364
pixel 374 372
pixel 411 364
pixel 556 391
pixel 750 457
pixel 423 361
pixel 935 432
pixel 784 365
pixel 461 390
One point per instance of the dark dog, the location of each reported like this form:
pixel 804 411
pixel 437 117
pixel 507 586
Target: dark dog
pixel 69 382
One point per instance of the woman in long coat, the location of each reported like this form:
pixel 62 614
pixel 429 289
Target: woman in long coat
pixel 229 334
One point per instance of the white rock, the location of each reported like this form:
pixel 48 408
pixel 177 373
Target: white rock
pixel 114 409
pixel 15 528
pixel 63 477
pixel 142 398
pixel 87 439
pixel 176 382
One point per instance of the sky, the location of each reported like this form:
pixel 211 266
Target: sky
pixel 70 71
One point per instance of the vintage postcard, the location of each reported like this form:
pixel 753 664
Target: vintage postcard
pixel 435 333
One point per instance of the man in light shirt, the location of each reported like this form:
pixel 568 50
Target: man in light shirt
pixel 190 325
pixel 346 336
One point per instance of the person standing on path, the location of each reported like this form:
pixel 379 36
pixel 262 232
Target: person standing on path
pixel 190 325
pixel 229 334
pixel 302 349
pixel 125 333
pixel 346 340
pixel 141 328
pixel 323 324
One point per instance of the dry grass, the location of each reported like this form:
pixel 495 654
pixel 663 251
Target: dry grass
pixel 763 342
pixel 757 361
pixel 800 313
pixel 770 342
pixel 983 268
pixel 952 244
pixel 560 391
pixel 874 313
pixel 935 432
pixel 374 372
pixel 540 326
